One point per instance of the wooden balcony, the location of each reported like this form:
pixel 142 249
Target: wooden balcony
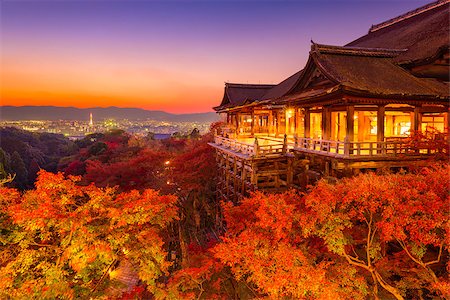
pixel 267 146
pixel 261 146
pixel 359 150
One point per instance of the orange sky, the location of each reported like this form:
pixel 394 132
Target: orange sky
pixel 165 55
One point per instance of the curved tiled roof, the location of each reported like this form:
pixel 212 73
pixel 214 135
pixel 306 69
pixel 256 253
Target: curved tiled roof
pixel 236 94
pixel 283 87
pixel 373 71
pixel 421 32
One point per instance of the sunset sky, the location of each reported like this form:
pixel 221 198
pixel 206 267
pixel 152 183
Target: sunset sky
pixel 172 55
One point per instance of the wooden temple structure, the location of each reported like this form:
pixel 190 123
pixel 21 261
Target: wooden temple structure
pixel 351 108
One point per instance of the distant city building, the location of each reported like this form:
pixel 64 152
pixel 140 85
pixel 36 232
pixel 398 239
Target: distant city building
pixel 91 120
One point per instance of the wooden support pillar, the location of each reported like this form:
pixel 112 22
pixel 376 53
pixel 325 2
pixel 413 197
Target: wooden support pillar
pixel 227 178
pixel 295 120
pixel 254 176
pixel 277 123
pixel 270 121
pixel 290 171
pixel 277 175
pixel 447 121
pixel 285 144
pixel 243 178
pixel 416 120
pixel 326 123
pixel 228 119
pixel 237 123
pixel 380 123
pixel 252 123
pixel 234 176
pixel 287 123
pixel 350 126
pixel 307 123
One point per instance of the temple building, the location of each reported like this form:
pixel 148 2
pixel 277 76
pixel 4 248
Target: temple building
pixel 351 108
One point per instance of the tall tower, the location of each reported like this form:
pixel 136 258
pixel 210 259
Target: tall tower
pixel 91 121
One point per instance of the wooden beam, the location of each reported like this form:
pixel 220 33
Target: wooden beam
pixel 270 121
pixel 295 120
pixel 350 125
pixel 277 123
pixel 417 119
pixel 252 124
pixel 380 123
pixel 447 121
pixel 307 123
pixel 326 123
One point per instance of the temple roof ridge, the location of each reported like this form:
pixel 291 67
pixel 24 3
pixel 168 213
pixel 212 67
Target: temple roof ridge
pixel 408 15
pixel 359 51
pixel 249 85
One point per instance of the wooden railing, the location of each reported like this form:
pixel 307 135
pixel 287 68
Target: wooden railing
pixel 235 145
pixel 254 149
pixel 364 149
pixel 343 149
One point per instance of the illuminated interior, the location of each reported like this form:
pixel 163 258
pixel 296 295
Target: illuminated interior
pixel 365 126
pixel 338 125
pixel 316 125
pixel 434 121
pixel 398 122
pixel 290 121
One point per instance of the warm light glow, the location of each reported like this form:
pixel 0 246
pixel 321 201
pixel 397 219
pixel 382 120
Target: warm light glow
pixel 112 273
pixel 289 113
pixel 167 162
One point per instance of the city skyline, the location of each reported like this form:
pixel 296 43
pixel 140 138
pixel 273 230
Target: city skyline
pixel 171 56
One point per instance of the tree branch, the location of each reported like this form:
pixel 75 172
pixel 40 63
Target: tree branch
pixel 438 258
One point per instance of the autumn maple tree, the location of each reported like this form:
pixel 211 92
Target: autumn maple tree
pixel 394 228
pixel 60 239
pixel 380 236
pixel 265 246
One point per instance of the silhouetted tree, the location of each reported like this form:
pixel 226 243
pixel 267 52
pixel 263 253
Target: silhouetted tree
pixel 18 168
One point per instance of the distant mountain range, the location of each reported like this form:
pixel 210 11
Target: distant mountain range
pixel 53 113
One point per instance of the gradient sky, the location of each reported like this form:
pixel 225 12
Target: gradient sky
pixel 172 55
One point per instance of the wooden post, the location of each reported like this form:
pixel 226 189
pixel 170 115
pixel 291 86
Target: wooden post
pixel 346 147
pixel 270 130
pixel 350 134
pixel 295 140
pixel 256 146
pixel 380 123
pixel 243 178
pixel 326 123
pixel 252 124
pixel 285 143
pixel 227 177
pixel 307 124
pixel 447 122
pixel 290 171
pixel 237 124
pixel 277 122
pixel 416 120
pixel 295 120
pixel 380 127
pixel 254 176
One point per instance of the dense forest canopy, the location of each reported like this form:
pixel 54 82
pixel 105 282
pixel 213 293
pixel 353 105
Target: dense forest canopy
pixel 79 214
